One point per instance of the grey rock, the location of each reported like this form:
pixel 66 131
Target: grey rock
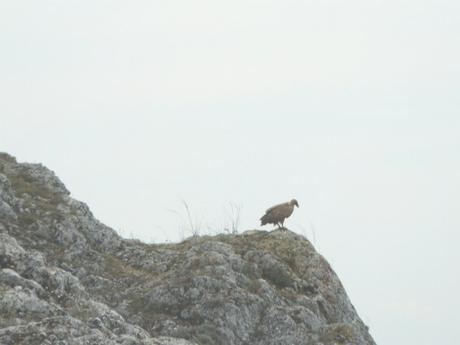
pixel 66 278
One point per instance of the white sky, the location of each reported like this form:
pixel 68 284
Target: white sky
pixel 351 107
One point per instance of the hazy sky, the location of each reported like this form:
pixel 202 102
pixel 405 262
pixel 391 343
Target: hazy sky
pixel 352 107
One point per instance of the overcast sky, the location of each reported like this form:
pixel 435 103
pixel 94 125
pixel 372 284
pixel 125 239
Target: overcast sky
pixel 352 107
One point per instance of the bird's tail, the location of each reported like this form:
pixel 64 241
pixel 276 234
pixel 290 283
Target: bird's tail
pixel 263 220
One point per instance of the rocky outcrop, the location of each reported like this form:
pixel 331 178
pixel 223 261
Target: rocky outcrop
pixel 66 278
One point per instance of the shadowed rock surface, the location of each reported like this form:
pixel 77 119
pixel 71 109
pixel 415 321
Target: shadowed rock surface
pixel 66 278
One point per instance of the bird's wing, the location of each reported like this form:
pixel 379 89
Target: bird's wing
pixel 274 208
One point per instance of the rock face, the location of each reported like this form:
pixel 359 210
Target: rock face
pixel 66 278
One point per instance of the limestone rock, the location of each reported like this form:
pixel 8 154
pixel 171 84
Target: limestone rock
pixel 66 278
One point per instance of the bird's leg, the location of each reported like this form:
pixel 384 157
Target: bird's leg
pixel 282 225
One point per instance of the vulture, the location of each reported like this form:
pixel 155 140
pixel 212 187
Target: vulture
pixel 277 214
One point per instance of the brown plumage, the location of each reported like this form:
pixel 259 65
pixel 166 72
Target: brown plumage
pixel 277 214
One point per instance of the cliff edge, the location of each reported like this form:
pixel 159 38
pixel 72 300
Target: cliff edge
pixel 66 278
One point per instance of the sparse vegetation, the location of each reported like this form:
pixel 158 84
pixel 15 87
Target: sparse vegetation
pixel 233 214
pixel 137 304
pixel 116 268
pixel 82 312
pixel 42 201
pixel 188 223
pixel 24 184
pixel 338 334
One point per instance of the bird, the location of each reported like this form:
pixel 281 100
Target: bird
pixel 277 214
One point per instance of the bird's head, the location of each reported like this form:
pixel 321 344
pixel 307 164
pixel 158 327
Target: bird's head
pixel 294 202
